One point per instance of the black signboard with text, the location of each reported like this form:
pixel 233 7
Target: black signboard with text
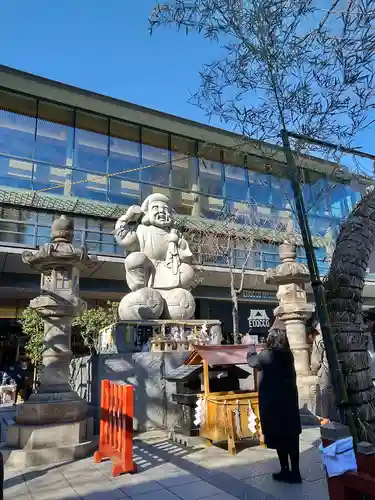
pixel 255 317
pixel 259 320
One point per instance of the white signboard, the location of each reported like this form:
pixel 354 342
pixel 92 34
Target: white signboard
pixel 258 319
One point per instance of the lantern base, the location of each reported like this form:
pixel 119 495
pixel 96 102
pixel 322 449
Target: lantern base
pixel 29 446
pixel 51 408
pixel 308 388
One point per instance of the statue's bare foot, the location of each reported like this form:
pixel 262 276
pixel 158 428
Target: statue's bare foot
pixel 179 304
pixel 144 304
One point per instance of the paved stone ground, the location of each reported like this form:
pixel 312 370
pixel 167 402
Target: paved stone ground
pixel 171 472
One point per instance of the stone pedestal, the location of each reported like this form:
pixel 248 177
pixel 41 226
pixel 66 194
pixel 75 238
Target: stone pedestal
pixel 67 407
pixel 33 445
pixel 296 333
pixel 53 424
pixel 306 382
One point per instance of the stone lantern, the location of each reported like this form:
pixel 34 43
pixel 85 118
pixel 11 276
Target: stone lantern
pixel 55 403
pixel 291 277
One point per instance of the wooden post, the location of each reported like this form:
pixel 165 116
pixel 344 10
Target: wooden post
pixel 206 378
pixel 231 441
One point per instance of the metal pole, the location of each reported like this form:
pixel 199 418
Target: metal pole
pixel 337 379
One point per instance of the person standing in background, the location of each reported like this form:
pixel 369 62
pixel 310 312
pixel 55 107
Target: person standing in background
pixel 278 403
pixel 23 380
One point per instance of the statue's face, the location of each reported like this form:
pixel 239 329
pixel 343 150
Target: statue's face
pixel 160 214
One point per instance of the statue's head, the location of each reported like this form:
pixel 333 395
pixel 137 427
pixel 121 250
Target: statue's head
pixel 157 211
pixel 62 230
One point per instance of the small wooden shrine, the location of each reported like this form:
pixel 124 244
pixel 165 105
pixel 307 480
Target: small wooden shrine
pixel 224 412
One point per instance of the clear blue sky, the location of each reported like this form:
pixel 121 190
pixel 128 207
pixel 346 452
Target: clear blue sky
pixel 105 46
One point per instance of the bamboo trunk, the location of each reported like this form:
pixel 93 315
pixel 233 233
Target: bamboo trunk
pixel 236 333
pixel 234 297
pixel 344 285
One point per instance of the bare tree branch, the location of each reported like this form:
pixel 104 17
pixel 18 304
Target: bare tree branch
pixel 291 65
pixel 230 240
pixel 285 63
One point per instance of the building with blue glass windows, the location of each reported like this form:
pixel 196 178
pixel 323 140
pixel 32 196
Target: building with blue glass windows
pixel 68 150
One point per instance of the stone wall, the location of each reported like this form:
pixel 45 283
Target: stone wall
pixel 153 405
pixel 83 378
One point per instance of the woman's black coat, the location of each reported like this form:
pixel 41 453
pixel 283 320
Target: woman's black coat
pixel 278 397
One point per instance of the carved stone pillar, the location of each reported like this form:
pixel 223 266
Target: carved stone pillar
pixel 293 310
pixel 53 425
pixel 59 263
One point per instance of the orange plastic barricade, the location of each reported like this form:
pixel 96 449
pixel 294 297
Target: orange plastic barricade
pixel 116 427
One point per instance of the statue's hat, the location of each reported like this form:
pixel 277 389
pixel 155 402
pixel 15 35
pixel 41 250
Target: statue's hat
pixel 154 197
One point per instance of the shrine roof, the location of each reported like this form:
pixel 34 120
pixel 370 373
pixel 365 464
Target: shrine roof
pixel 183 373
pixel 218 355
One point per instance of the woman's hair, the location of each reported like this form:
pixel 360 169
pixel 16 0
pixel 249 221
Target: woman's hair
pixel 278 340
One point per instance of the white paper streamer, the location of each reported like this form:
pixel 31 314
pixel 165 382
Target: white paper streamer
pixel 198 412
pixel 252 420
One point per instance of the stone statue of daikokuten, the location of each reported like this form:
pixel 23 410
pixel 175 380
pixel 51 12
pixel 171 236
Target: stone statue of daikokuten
pixel 157 264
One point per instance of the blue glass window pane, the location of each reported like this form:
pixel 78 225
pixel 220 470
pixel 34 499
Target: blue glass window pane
pixel 88 185
pixel 17 226
pixel 283 219
pixel 91 143
pixel 107 241
pixel 281 193
pixel 124 192
pixel 125 160
pixel 236 186
pixel 270 255
pixel 79 231
pixel 339 205
pixel 212 207
pixel 28 227
pixel 93 235
pixel 263 217
pixel 156 157
pixel 243 212
pixel 147 189
pixel 210 177
pixel 54 134
pixel 17 125
pixel 260 188
pixel 317 196
pixel 184 163
pixel 56 179
pixel 44 227
pixel 319 226
pixel 185 203
pixel 16 173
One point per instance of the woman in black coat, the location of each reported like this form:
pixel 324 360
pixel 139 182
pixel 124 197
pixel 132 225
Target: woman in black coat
pixel 278 403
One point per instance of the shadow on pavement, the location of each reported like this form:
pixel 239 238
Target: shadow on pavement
pixel 167 471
